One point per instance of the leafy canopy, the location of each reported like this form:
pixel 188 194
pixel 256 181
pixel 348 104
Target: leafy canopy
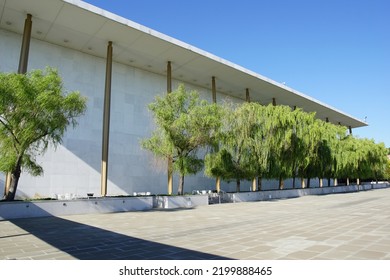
pixel 34 113
pixel 185 123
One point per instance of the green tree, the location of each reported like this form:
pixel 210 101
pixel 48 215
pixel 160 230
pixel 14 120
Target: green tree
pixel 185 124
pixel 236 159
pixel 361 159
pixel 279 131
pixel 34 113
pixel 271 137
pixel 334 134
pixel 259 146
pixel 386 175
pixel 325 138
pixel 300 154
pixel 373 164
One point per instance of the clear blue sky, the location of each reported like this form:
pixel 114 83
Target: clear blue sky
pixel 337 51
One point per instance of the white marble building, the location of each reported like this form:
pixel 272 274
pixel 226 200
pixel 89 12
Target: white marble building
pixel 72 36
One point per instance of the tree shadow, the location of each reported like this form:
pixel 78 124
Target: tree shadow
pixel 87 242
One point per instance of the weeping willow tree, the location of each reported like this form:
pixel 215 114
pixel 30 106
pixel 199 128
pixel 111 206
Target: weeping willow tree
pixel 260 140
pixel 379 161
pixel 279 130
pixel 251 140
pixel 361 159
pixel 333 136
pixel 386 175
pixel 233 160
pixel 377 156
pixel 371 159
pixel 346 161
pixel 299 155
pixel 324 139
pixel 185 124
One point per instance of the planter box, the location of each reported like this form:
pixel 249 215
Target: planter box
pixel 380 185
pixel 19 209
pixel 292 193
pixel 185 201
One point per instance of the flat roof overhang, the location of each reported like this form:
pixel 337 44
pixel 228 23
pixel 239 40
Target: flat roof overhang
pixel 80 26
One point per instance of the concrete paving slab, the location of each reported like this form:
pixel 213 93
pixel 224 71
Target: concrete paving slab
pixel 337 226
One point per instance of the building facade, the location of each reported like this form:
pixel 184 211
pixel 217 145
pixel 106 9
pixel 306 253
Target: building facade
pixel 76 38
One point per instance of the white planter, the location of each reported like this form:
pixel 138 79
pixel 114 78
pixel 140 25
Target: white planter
pixel 291 193
pixel 19 209
pixel 185 201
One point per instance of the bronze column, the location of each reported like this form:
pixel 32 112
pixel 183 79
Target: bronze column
pixel 254 181
pixel 106 120
pixel 214 97
pixel 170 160
pixel 214 89
pixel 24 51
pixel 247 95
pixel 22 69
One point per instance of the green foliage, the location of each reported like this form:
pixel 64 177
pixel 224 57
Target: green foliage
pixel 251 140
pixel 386 174
pixel 185 123
pixel 276 142
pixel 324 143
pixel 34 113
pixel 231 161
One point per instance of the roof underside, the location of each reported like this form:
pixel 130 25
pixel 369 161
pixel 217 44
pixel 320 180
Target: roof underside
pixel 77 25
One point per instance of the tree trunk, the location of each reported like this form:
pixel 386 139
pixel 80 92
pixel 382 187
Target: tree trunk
pixel 238 187
pixel 259 183
pixel 281 183
pixel 254 185
pixel 303 183
pixel 180 189
pixel 295 172
pixel 308 182
pixel 328 182
pixel 6 183
pixel 14 180
pixel 218 184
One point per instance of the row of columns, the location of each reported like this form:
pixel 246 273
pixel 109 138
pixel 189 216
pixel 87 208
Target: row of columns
pixel 106 124
pixel 255 184
pixel 23 63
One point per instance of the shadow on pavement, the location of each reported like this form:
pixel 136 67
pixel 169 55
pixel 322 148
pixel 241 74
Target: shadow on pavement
pixel 87 242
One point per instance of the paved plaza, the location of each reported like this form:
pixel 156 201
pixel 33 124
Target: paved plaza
pixel 340 226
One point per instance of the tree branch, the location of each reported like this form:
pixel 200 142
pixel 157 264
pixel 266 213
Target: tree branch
pixel 9 130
